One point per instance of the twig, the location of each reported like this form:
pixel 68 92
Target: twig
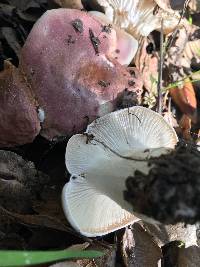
pixel 172 85
pixel 159 107
pixel 172 37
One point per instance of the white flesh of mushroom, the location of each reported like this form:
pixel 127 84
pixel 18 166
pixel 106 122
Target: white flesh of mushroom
pixel 100 161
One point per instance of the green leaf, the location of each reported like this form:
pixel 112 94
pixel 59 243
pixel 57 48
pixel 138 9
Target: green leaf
pixel 190 20
pixel 153 80
pixel 198 51
pixel 9 258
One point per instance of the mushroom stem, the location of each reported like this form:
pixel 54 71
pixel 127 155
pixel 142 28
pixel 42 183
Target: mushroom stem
pixel 160 74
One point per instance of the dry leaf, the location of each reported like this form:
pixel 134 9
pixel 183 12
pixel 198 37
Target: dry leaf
pixel 185 127
pixel 189 257
pixel 138 248
pixel 164 234
pixel 20 181
pixel 71 4
pixel 185 99
pixel 19 123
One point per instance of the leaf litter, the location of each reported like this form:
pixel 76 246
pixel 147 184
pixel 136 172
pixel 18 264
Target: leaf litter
pixel 31 217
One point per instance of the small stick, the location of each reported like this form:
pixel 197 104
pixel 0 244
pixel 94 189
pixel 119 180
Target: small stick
pixel 159 87
pixel 173 36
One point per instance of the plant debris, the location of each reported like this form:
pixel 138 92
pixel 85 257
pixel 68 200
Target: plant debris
pixel 138 247
pixel 95 41
pixel 170 193
pixel 70 39
pixel 107 28
pixel 78 25
pixel 82 87
pixel 20 181
pixel 103 83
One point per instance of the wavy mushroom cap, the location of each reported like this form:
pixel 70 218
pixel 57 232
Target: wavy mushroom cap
pixel 140 17
pixel 112 149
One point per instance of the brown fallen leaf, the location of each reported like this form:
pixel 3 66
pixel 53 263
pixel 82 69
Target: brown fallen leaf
pixel 20 181
pixel 189 257
pixel 164 234
pixel 19 122
pixel 36 220
pixel 11 37
pixel 185 99
pixel 170 254
pixel 46 231
pixel 12 241
pixel 25 4
pixel 77 4
pixel 175 254
pixel 185 127
pixel 138 248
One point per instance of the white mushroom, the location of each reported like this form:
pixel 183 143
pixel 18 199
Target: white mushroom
pixel 113 147
pixel 140 17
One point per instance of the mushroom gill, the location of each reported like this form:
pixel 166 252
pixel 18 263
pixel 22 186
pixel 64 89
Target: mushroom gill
pixel 100 160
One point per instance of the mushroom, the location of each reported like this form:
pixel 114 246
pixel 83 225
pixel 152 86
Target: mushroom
pixel 139 17
pixel 67 61
pixel 99 161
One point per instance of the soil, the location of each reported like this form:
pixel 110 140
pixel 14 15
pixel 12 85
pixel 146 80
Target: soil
pixel 170 193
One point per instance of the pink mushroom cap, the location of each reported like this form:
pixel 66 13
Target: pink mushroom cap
pixel 66 59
